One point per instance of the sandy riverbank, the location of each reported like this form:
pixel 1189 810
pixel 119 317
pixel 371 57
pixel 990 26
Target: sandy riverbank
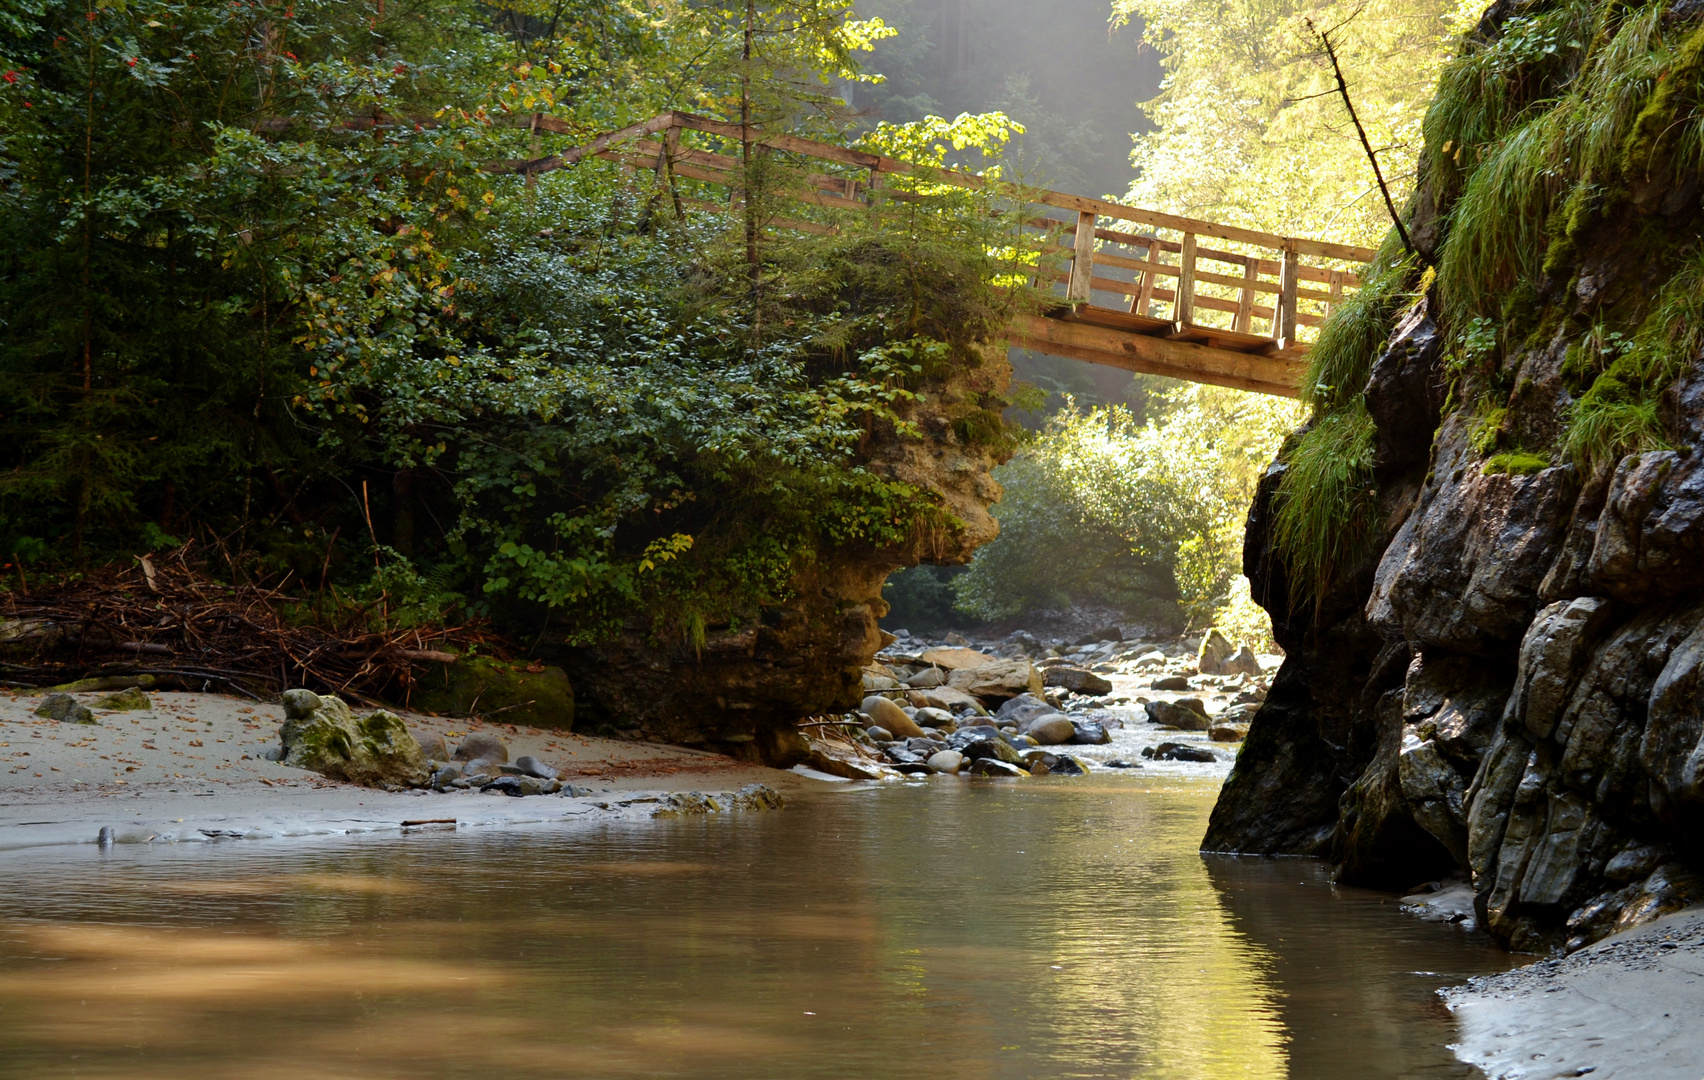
pixel 192 768
pixel 1628 1008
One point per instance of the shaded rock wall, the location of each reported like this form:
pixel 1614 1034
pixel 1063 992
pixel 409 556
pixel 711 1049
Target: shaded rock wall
pixel 1514 685
pixel 746 688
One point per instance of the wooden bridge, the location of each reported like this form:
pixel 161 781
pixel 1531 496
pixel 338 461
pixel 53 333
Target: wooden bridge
pixel 1137 289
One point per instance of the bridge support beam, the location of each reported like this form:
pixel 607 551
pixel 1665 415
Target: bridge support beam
pixel 1277 375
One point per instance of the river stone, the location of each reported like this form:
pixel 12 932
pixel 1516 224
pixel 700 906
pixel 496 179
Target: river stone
pixel 1215 650
pixel 66 709
pixel 930 717
pixel 999 680
pixel 954 659
pixel 299 704
pixel 1068 765
pixel 926 679
pixel 1172 682
pixel 445 776
pixel 1077 680
pixel 482 746
pixel 880 682
pixel 1175 751
pixel 1089 733
pixel 877 733
pixel 1021 709
pixel 375 750
pixel 756 797
pixel 531 766
pixel 887 714
pixel 998 749
pixel 125 700
pixel 947 761
pixel 1243 662
pixel 995 768
pixel 951 699
pixel 1051 730
pixel 434 747
pixel 1223 732
pixel 1178 714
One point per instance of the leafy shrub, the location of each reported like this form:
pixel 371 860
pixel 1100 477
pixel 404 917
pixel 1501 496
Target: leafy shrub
pixel 1098 509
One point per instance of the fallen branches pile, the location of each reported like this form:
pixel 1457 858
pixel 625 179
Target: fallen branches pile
pixel 167 619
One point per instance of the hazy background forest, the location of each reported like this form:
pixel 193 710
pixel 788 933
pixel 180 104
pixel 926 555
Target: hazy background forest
pixel 361 360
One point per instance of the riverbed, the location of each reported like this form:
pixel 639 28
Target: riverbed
pixel 1059 928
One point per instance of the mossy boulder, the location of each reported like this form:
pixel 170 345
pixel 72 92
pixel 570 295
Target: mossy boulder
pixel 483 686
pixel 376 750
pixel 125 700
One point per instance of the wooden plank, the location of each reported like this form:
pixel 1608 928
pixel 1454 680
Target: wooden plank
pixel 1183 308
pixel 1082 261
pixel 1157 355
pixel 1117 320
pixel 1244 321
pixel 1145 294
pixel 1267 266
pixel 1323 249
pixel 1284 324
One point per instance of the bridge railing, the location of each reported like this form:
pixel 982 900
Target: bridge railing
pixel 1139 271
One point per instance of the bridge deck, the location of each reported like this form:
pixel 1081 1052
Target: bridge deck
pixel 1121 299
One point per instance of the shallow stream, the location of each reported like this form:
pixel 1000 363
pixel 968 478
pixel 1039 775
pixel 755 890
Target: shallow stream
pixel 1051 928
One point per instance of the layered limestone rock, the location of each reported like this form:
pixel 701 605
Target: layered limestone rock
pixel 744 689
pixel 1512 684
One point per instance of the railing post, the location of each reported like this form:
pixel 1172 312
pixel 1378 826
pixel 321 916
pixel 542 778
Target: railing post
pixel 1284 310
pixel 1082 260
pixel 1145 295
pixel 1183 305
pixel 1244 323
pixel 1336 291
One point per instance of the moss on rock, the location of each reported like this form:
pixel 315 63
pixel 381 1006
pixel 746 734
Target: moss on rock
pixel 376 750
pixel 483 685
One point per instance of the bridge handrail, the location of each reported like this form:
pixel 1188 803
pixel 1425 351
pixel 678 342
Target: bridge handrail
pixel 658 147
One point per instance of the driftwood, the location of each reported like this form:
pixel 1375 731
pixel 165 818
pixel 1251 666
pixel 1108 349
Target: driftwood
pixel 166 618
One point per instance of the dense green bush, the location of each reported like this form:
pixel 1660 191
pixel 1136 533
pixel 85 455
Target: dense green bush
pixel 237 308
pixel 1144 517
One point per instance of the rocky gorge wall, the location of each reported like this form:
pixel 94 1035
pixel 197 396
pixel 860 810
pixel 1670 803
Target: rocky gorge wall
pixel 744 689
pixel 1510 683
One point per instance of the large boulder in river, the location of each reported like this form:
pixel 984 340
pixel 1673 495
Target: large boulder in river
pixel 1077 680
pixel 1051 730
pixel 954 659
pixel 884 713
pixel 1215 650
pixel 376 750
pixel 1185 714
pixel 997 681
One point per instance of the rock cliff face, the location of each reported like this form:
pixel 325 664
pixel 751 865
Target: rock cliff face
pixel 1512 684
pixel 746 688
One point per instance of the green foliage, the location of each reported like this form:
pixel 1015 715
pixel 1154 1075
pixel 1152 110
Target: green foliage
pixel 1248 90
pixel 1352 335
pixel 236 309
pixel 921 598
pixel 1515 463
pixel 1544 127
pixel 1326 506
pixel 1619 378
pixel 1101 509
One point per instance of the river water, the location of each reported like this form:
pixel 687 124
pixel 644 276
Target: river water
pixel 1051 928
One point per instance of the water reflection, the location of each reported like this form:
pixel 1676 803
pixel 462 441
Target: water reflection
pixel 1057 928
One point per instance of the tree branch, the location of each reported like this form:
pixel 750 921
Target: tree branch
pixel 1384 189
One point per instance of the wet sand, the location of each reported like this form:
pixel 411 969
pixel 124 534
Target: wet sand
pixel 1627 1008
pixel 192 768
